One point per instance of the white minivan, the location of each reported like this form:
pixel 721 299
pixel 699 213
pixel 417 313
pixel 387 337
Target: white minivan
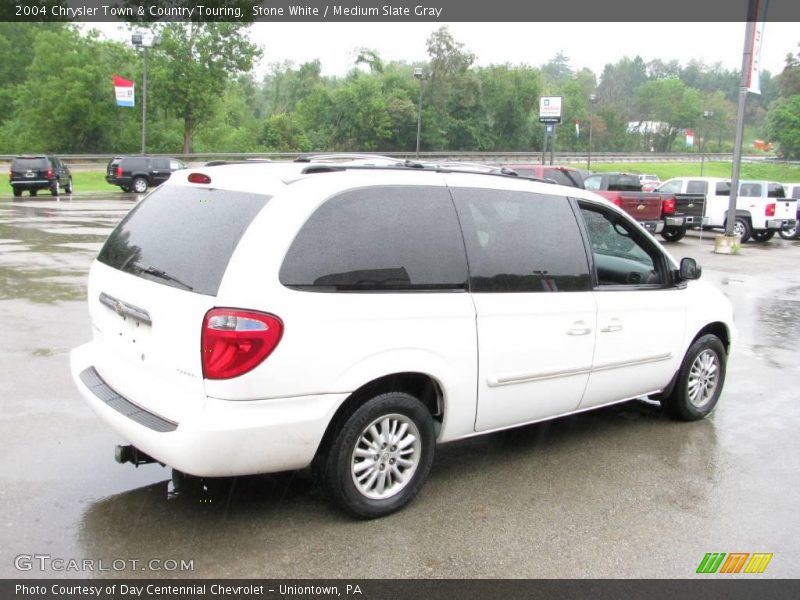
pixel 256 318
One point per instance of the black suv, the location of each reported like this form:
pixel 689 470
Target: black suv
pixel 137 173
pixel 39 172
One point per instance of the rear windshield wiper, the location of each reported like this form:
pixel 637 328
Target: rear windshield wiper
pixel 150 270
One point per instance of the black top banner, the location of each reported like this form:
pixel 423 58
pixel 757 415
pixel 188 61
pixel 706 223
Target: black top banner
pixel 655 11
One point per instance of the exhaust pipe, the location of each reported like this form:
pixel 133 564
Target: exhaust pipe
pixel 130 454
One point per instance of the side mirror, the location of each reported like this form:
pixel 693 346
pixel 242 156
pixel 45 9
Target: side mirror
pixel 690 269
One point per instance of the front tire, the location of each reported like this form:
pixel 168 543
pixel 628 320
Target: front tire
pixel 673 234
pixel 68 187
pixel 700 380
pixel 380 456
pixel 742 228
pixel 789 233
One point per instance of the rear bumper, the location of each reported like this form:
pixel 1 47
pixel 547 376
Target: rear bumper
pixel 31 184
pixel 219 437
pixel 778 223
pixel 652 226
pixel 674 221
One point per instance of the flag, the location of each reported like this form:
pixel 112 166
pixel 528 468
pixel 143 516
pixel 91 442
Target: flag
pixel 124 91
pixel 757 12
pixel 690 137
pixel 577 128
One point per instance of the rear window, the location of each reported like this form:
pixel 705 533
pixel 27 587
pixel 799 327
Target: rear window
pixel 24 164
pixel 563 177
pixel 182 237
pixel 775 190
pixel 624 183
pixel 723 188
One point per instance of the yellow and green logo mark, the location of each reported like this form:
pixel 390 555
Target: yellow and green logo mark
pixel 713 562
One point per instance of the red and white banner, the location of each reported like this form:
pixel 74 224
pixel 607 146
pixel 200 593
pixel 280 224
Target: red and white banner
pixel 124 91
pixel 758 14
pixel 690 137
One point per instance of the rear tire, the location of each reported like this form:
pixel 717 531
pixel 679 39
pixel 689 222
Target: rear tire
pixel 763 235
pixel 673 234
pixel 379 457
pixel 68 187
pixel 34 192
pixel 140 185
pixel 55 189
pixel 17 192
pixel 700 380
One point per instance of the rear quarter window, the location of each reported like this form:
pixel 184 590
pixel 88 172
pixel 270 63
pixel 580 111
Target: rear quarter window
pixel 383 238
pixel 182 237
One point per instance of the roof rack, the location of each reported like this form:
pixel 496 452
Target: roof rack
pixel 248 161
pixel 437 167
pixel 346 156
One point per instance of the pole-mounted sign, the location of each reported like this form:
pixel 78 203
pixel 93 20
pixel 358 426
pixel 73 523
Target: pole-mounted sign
pixel 550 109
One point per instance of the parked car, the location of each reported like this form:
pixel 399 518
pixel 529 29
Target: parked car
pixel 761 210
pixel 790 232
pixel 267 317
pixel 138 173
pixel 649 182
pixel 561 175
pixel 625 191
pixel 39 172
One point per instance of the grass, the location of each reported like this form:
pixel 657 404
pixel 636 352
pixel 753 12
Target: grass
pixel 771 172
pixel 92 181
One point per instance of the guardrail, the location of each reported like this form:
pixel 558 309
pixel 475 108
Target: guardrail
pixel 92 160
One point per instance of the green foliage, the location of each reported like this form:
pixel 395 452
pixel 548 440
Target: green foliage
pixel 749 170
pixel 783 126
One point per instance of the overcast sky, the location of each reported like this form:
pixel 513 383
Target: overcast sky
pixel 591 45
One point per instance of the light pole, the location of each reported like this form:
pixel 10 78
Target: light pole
pixel 707 114
pixel 420 76
pixel 144 41
pixel 592 101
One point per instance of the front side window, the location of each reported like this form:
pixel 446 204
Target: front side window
pixel 521 242
pixel 387 238
pixel 622 254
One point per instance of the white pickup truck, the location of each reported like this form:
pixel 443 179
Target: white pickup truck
pixel 761 208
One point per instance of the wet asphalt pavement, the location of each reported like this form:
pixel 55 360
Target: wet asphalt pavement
pixel 620 492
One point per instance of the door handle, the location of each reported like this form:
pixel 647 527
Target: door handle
pixel 613 326
pixel 579 328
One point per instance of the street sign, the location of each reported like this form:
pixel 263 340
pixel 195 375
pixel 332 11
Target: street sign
pixel 550 109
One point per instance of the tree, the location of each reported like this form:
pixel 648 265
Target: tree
pixel 194 65
pixel 673 104
pixel 618 84
pixel 783 126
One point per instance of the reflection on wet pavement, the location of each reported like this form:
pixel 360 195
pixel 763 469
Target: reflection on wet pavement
pixel 619 492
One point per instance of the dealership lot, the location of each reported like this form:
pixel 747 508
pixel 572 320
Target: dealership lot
pixel 623 492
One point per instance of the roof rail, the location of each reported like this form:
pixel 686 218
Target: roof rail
pixel 346 156
pixel 247 161
pixel 443 167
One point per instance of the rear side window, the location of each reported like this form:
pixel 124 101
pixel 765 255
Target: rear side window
pixel 182 237
pixel 796 192
pixel 723 188
pixel 134 164
pixel 521 242
pixel 161 164
pixel 387 238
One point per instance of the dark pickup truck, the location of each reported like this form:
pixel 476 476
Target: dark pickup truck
pixel 681 211
pixel 625 191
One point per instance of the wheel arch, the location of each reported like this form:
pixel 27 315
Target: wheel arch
pixel 422 386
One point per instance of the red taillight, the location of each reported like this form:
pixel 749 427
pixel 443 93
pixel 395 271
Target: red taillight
pixel 119 171
pixel 49 173
pixel 668 206
pixel 770 210
pixel 199 178
pixel 236 341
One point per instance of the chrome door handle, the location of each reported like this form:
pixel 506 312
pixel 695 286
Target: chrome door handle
pixel 579 328
pixel 613 326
